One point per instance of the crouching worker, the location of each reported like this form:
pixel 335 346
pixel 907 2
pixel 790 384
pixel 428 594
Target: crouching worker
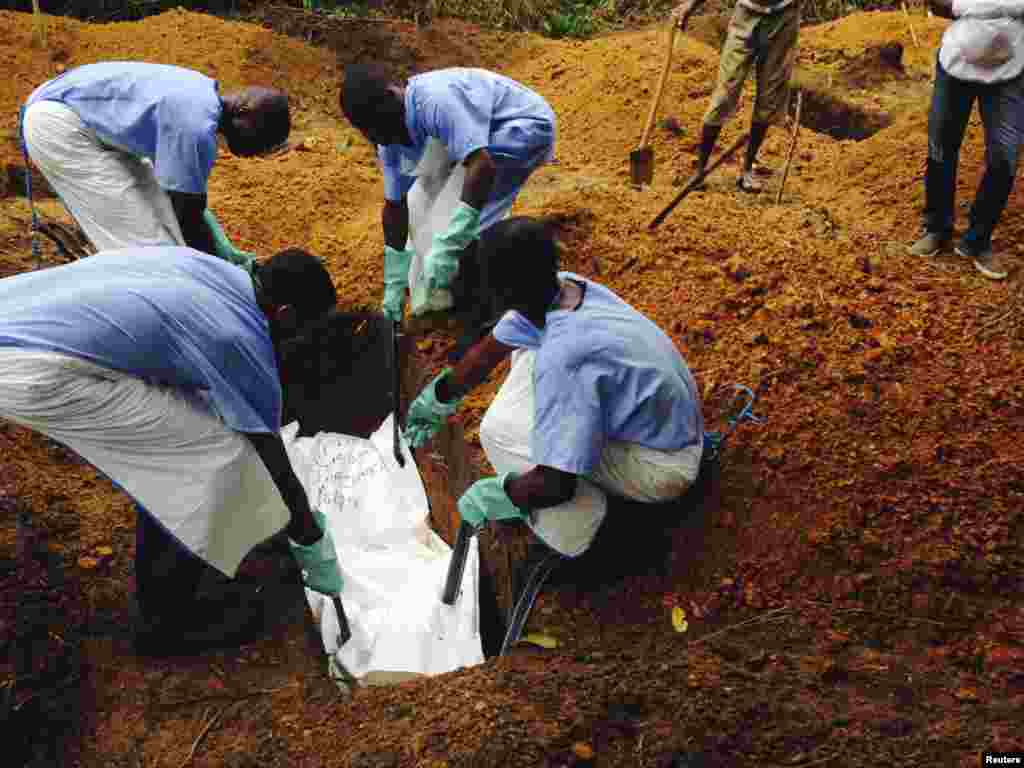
pixel 129 147
pixel 159 367
pixel 598 399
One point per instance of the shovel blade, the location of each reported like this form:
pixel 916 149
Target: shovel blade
pixel 641 166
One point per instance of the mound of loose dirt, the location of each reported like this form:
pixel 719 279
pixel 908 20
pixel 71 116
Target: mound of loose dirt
pixel 870 532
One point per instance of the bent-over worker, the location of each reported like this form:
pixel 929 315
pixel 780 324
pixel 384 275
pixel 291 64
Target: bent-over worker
pixel 159 367
pixel 129 148
pixel 499 129
pixel 598 399
pixel 762 34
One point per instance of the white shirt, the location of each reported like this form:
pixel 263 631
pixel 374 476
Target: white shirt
pixel 765 7
pixel 986 42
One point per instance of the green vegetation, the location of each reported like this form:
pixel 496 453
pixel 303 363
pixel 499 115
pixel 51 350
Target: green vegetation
pixel 554 18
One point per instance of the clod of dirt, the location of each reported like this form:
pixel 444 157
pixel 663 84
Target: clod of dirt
pixel 671 125
pixel 859 322
pixel 876 65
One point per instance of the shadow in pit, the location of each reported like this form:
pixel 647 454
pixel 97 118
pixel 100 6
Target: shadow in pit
pixel 338 378
pixel 824 113
pixel 635 540
pixel 41 697
pixel 638 539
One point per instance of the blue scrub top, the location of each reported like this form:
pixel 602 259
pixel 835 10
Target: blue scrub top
pixel 466 110
pixel 170 315
pixel 164 113
pixel 603 372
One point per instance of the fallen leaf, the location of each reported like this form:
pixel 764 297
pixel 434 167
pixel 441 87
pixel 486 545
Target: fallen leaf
pixel 541 640
pixel 583 751
pixel 966 694
pixel 837 637
pixel 104 551
pixel 679 619
pixel 88 563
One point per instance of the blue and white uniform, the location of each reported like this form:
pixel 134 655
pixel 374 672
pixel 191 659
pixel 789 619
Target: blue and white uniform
pixel 600 392
pixel 113 138
pixel 466 110
pixel 150 363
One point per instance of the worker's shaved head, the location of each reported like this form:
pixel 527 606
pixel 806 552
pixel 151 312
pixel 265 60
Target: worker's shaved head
pixel 296 279
pixel 372 102
pixel 519 260
pixel 255 120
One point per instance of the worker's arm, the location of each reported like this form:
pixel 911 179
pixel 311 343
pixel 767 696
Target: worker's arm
pixel 395 219
pixel 480 174
pixel 302 528
pixel 682 12
pixel 441 397
pixel 541 487
pixel 309 537
pixel 447 248
pixel 189 209
pixel 509 497
pixel 473 369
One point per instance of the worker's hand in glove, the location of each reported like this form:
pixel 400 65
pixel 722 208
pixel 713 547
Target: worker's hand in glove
pixel 396 278
pixel 319 561
pixel 486 500
pixel 224 247
pixel 442 262
pixel 427 413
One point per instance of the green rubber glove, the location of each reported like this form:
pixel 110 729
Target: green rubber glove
pixel 486 500
pixel 319 561
pixel 442 262
pixel 396 278
pixel 427 413
pixel 225 250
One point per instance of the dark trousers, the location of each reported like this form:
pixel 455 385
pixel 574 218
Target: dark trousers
pixel 1002 114
pixel 167 575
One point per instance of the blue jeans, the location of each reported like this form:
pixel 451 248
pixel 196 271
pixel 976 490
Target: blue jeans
pixel 1002 115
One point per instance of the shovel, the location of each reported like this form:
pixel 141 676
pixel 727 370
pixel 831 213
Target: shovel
pixel 396 393
pixel 641 160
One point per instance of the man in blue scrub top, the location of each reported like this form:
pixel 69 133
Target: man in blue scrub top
pixel 129 147
pixel 598 399
pixel 499 129
pixel 160 367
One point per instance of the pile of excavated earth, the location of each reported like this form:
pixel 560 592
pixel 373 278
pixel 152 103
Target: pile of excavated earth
pixel 853 596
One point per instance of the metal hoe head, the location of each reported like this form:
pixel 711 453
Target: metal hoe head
pixel 641 166
pixel 344 633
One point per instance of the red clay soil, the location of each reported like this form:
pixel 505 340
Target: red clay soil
pixel 854 596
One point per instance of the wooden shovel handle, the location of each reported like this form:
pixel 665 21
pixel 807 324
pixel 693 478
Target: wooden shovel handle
pixel 696 180
pixel 661 86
